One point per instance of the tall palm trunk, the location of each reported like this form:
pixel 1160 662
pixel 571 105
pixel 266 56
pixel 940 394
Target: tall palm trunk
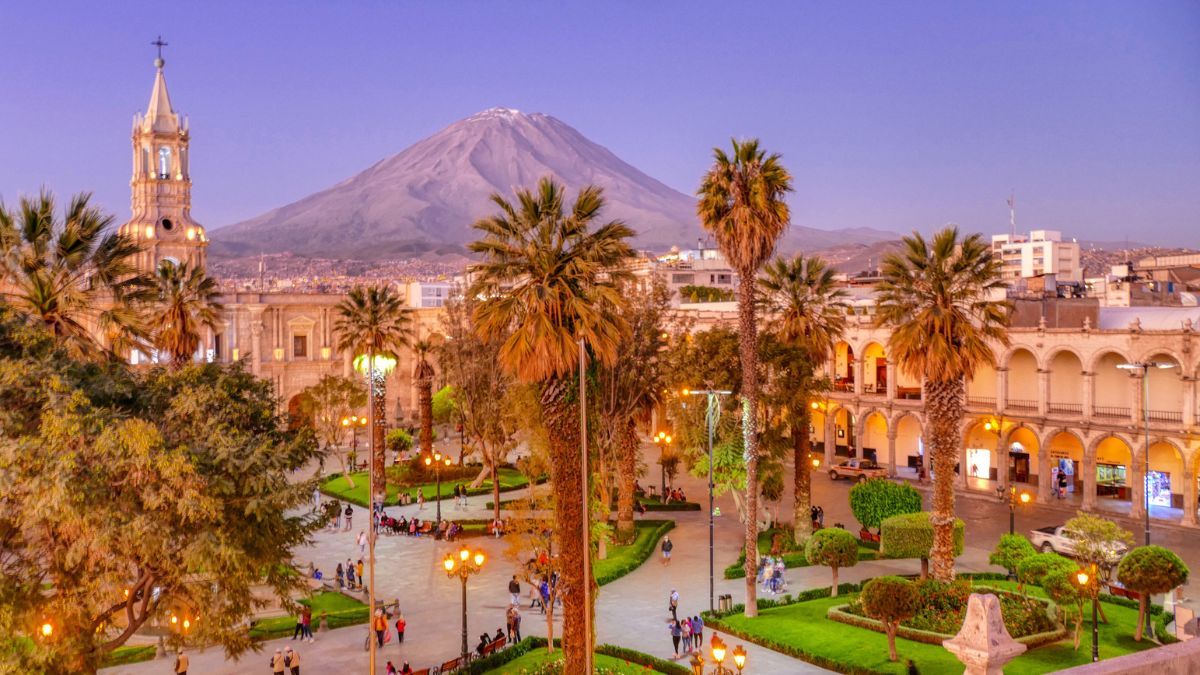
pixel 560 413
pixel 944 403
pixel 627 449
pixel 425 403
pixel 377 409
pixel 748 344
pixel 801 479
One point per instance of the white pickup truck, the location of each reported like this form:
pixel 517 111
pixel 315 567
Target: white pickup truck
pixel 1059 539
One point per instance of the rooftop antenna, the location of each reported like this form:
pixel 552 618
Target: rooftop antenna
pixel 1012 213
pixel 262 268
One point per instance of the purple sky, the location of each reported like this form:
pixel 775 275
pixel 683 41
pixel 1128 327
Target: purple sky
pixel 890 115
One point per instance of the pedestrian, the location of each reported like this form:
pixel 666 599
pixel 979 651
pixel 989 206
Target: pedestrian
pixel 673 603
pixel 291 659
pixel 698 631
pixel 181 662
pixel 516 625
pixel 380 626
pixel 421 500
pixel 685 634
pixel 676 634
pixel 667 547
pixel 1062 485
pixel 362 542
pixel 358 571
pixel 514 589
pixel 391 669
pixel 298 631
pixel 341 576
pixel 349 513
pixel 277 663
pixel 335 507
pixel 405 669
pixel 306 619
pixel 401 624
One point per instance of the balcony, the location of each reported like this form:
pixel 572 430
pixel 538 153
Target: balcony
pixel 1021 404
pixel 844 385
pixel 1166 416
pixel 874 389
pixel 988 402
pixel 1065 408
pixel 908 393
pixel 1111 411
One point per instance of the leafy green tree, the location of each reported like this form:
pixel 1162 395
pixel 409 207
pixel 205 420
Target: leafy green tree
pixel 694 293
pixel 482 392
pixel 73 276
pixel 1062 585
pixel 445 405
pixel 136 494
pixel 549 282
pixel 890 600
pixel 1149 570
pixel 911 535
pixel 874 501
pixel 185 301
pixel 1033 570
pixel 742 205
pixel 1010 551
pixel 808 311
pixel 834 548
pixel 327 404
pixel 399 440
pixel 936 296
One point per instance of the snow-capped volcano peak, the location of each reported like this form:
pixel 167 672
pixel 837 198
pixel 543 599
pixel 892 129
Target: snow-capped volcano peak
pixel 495 113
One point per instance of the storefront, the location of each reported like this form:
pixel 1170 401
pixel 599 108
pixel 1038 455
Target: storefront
pixel 1158 488
pixel 979 463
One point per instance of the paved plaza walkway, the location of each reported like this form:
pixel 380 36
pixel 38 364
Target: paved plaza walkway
pixel 631 612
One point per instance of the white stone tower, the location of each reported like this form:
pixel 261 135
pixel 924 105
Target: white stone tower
pixel 161 185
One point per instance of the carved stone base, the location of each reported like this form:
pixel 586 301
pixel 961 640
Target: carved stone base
pixel 983 644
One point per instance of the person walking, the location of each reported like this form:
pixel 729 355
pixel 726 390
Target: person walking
pixel 401 624
pixel 698 631
pixel 391 669
pixel 349 574
pixel 349 513
pixel 685 634
pixel 516 624
pixel 667 547
pixel 358 572
pixel 676 634
pixel 514 590
pixel 673 604
pixel 362 542
pixel 379 624
pixel 278 667
pixel 1062 484
pixel 306 620
pixel 298 631
pixel 291 659
pixel 181 662
pixel 341 576
pixel 420 500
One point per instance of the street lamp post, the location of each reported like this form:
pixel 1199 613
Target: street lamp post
pixel 664 439
pixel 1082 577
pixel 1144 367
pixel 719 652
pixel 354 423
pixel 1013 499
pixel 711 414
pixel 463 566
pixel 437 461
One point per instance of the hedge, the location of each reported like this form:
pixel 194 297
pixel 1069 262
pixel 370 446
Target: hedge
pixel 910 535
pixel 513 652
pixel 643 548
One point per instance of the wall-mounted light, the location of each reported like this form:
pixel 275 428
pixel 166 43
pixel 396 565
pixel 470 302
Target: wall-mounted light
pixel 279 353
pixel 237 353
pixel 149 231
pixel 326 353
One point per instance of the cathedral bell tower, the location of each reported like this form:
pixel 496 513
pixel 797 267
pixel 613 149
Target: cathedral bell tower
pixel 161 185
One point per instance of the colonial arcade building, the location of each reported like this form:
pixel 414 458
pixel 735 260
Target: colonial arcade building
pixel 1057 401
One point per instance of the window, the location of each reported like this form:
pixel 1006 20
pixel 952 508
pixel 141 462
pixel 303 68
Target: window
pixel 164 162
pixel 299 346
pixel 683 278
pixel 217 347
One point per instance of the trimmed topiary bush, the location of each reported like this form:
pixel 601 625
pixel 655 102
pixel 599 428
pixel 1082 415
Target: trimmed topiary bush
pixel 910 535
pixel 889 600
pixel 1149 570
pixel 834 548
pixel 1010 551
pixel 874 501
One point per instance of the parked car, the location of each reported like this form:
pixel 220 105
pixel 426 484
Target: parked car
pixel 1058 539
pixel 857 469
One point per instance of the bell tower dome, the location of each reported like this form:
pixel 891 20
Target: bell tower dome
pixel 161 185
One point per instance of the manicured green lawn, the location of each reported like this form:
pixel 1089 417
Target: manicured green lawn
pixel 791 561
pixel 803 627
pixel 340 610
pixel 543 502
pixel 337 487
pixel 125 655
pixel 538 657
pixel 622 560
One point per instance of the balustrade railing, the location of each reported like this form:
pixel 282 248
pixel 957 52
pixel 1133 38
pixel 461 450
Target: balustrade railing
pixel 1068 408
pixel 1166 415
pixel 981 401
pixel 1021 404
pixel 1111 411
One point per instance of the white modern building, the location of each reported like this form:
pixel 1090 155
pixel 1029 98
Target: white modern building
pixel 1039 253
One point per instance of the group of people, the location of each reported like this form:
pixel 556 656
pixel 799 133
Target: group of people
pixel 379 625
pixel 415 527
pixel 285 660
pixel 673 495
pixel 687 633
pixel 770 574
pixel 338 518
pixel 349 576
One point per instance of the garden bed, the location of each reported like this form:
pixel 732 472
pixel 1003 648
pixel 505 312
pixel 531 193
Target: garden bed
pixel 530 656
pixel 543 502
pixel 622 560
pixel 799 626
pixel 791 560
pixel 337 487
pixel 340 610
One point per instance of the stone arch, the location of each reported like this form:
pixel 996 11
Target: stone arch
pixel 1066 452
pixel 1055 351
pixel 1167 482
pixel 1066 381
pixel 1005 360
pixel 1098 356
pixel 1023 378
pixel 875 371
pixel 1167 387
pixel 908 429
pixel 873 434
pixel 980 443
pixel 1022 451
pixel 1111 397
pixel 1113 456
pixel 842 366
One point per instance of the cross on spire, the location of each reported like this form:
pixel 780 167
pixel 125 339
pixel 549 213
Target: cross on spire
pixel 160 44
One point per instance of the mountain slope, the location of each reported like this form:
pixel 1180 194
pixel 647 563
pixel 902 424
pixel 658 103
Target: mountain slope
pixel 424 199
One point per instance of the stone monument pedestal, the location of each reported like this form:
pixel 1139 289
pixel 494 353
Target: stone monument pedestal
pixel 983 644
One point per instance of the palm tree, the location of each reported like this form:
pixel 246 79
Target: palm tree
pixel 808 311
pixel 187 300
pixel 550 281
pixel 71 277
pixel 741 205
pixel 423 375
pixel 936 296
pixel 373 320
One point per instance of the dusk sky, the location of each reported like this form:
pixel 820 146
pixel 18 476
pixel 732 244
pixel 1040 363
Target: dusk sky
pixel 889 115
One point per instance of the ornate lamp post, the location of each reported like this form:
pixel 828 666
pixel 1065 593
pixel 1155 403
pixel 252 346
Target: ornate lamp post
pixel 711 415
pixel 719 652
pixel 1015 498
pixel 463 566
pixel 664 439
pixel 354 423
pixel 437 461
pixel 1083 578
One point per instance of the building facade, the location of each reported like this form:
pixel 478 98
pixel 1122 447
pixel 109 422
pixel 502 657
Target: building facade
pixel 1039 253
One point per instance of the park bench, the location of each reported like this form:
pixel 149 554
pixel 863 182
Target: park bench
pixel 450 666
pixel 426 528
pixel 494 646
pixel 423 671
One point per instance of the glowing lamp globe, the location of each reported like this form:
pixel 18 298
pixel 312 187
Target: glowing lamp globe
pixel 384 363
